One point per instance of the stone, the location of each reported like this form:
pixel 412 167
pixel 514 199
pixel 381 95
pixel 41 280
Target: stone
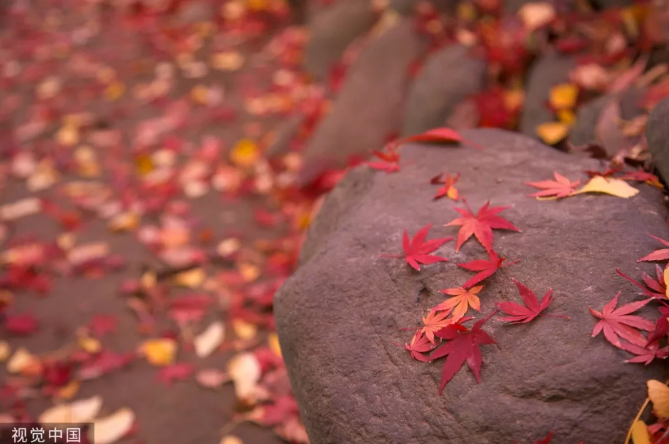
pixel 657 134
pixel 550 70
pixel 448 77
pixel 332 30
pixel 283 135
pixel 338 317
pixel 369 107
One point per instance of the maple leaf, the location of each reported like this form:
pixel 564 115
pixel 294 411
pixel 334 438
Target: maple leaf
pixel 546 440
pixel 417 251
pixel 448 189
pixel 643 176
pixel 657 289
pixel 437 135
pixel 100 325
pixel 21 324
pixel 657 255
pixel 485 268
pixel 433 322
pixel 661 326
pixel 532 309
pixel 463 345
pixel 557 189
pixel 419 344
pixel 462 300
pixel 480 225
pixel 175 372
pixel 645 355
pixel 609 172
pixel 617 323
pixel 390 161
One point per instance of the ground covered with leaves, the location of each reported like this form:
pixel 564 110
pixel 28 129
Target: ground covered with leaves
pixel 150 206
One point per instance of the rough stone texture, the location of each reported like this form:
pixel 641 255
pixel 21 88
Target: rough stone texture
pixel 657 133
pixel 332 30
pixel 369 106
pixel 547 72
pixel 584 129
pixel 447 78
pixel 338 316
pixel 283 135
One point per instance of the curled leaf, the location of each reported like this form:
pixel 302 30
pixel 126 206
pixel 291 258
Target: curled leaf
pixel 111 428
pixel 658 392
pixel 614 187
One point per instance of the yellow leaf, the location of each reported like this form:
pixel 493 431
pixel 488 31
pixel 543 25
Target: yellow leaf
pixel 230 439
pixel 21 360
pixel 91 345
pixel 199 94
pixel 68 135
pixel 5 351
pixel 77 412
pixel 243 329
pixel 191 278
pixel 274 345
pixel 563 96
pixel 614 187
pixel 113 427
pixel 658 392
pixel 537 14
pixel 552 132
pixel 257 5
pixel 566 116
pixel 114 91
pixel 227 61
pixel 249 272
pixel 640 434
pixel 126 221
pixel 245 372
pixel 144 164
pixel 244 153
pixel 159 352
pixel 68 391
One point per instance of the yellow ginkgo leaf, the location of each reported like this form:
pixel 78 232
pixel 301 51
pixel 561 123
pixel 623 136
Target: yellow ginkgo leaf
pixel 614 187
pixel 244 153
pixel 640 434
pixel 159 352
pixel 552 132
pixel 563 96
pixel 658 392
pixel 566 116
pixel 144 164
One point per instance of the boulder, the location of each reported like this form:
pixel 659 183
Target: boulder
pixel 447 78
pixel 657 134
pixel 370 103
pixel 548 71
pixel 332 30
pixel 338 317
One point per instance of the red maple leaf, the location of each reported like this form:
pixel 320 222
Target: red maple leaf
pixel 546 440
pixel 558 188
pixel 448 188
pixel 100 325
pixel 480 225
pixel 419 344
pixel 617 323
pixel 417 251
pixel 463 345
pixel 390 161
pixel 606 173
pixel 437 135
pixel 103 363
pixel 532 308
pixel 645 355
pixel 485 268
pixel 21 324
pixel 643 176
pixel 657 255
pixel 661 326
pixel 657 289
pixel 175 372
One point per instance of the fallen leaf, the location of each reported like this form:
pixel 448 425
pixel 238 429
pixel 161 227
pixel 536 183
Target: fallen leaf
pixel 436 135
pixel 433 322
pixel 245 153
pixel 101 324
pixel 480 225
pixel 614 187
pixel 448 189
pixel 21 324
pixel 389 160
pixel 21 208
pixel 657 255
pixel 417 251
pixel 461 301
pixel 230 439
pixel 532 309
pixel 206 342
pixel 5 351
pixel 623 81
pixel 419 344
pixel 643 176
pixel 461 345
pixel 554 189
pixel 552 132
pixel 273 342
pixel 244 370
pixel 77 412
pixel 661 328
pixel 191 278
pixel 563 96
pixel 658 392
pixel 244 330
pixel 20 360
pixel 485 268
pixel 645 355
pixel 536 15
pixel 175 372
pixel 640 434
pixel 159 352
pixel 608 129
pixel 656 288
pixel 617 323
pixel 211 378
pixel 111 428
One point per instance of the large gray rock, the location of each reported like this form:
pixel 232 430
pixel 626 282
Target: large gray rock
pixel 340 313
pixel 447 78
pixel 332 30
pixel 369 107
pixel 550 70
pixel 657 134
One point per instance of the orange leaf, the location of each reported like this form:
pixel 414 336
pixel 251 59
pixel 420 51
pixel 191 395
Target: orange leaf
pixel 462 300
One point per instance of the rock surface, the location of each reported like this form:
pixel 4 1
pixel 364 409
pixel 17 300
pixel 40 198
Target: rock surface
pixel 338 316
pixel 332 30
pixel 447 78
pixel 657 133
pixel 369 107
pixel 552 69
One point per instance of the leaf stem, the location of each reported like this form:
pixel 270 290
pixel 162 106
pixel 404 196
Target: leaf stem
pixel 638 415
